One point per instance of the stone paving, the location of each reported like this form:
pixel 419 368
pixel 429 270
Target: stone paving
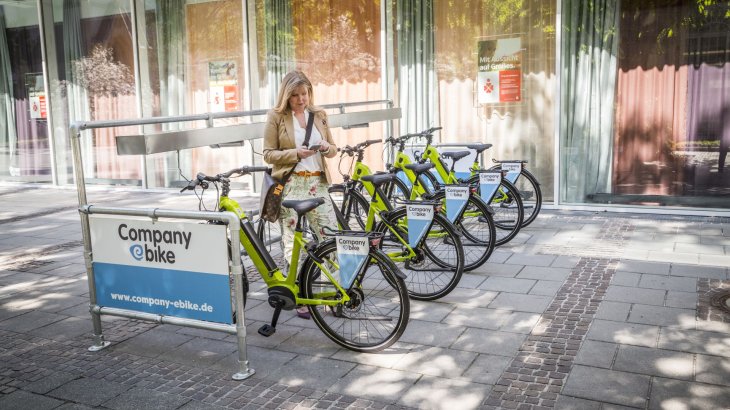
pixel 581 310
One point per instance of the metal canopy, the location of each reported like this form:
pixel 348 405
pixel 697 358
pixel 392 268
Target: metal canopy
pixel 216 136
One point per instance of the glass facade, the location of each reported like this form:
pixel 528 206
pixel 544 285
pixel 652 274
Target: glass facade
pixel 610 102
pixel 645 97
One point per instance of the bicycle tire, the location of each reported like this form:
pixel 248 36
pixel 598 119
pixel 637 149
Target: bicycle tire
pixel 352 205
pixel 478 229
pixel 378 292
pixel 530 193
pixel 439 262
pixel 508 211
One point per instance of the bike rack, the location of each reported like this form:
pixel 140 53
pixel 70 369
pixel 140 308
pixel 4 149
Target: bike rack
pixel 174 141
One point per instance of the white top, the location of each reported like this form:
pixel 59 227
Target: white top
pixel 311 163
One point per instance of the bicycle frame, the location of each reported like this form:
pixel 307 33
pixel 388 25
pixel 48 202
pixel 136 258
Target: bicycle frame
pixel 263 261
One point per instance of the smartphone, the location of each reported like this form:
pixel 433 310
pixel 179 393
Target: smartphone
pixel 315 147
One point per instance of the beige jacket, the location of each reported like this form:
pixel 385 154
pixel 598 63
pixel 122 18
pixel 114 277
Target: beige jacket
pixel 279 148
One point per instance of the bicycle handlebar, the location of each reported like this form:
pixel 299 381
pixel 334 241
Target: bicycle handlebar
pixel 357 148
pixel 403 138
pixel 202 179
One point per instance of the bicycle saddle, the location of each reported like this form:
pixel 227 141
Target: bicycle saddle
pixel 302 206
pixel 455 155
pixel 420 168
pixel 378 179
pixel 479 147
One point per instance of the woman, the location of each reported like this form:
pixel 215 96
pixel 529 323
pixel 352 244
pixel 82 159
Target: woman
pixel 284 149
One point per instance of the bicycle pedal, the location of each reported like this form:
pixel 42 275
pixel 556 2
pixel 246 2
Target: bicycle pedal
pixel 267 330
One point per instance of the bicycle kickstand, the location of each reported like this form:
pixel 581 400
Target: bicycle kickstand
pixel 269 329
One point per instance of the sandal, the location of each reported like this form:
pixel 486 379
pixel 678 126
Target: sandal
pixel 303 312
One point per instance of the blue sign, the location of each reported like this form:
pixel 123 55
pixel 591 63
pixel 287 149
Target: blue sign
pixel 513 170
pixel 419 220
pixel 192 295
pixel 456 199
pixel 352 252
pixel 489 182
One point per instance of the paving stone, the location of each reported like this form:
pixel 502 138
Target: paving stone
pixel 489 342
pixel 544 273
pixel 199 352
pixel 385 358
pixel 487 368
pixel 441 393
pixel 30 321
pixel 22 400
pixel 545 288
pixel 568 262
pixel 152 343
pixel 478 317
pixel 491 268
pixel 674 257
pixel 655 362
pixel 621 388
pixel 520 303
pixel 430 312
pixel 519 322
pixel 92 392
pixel 49 382
pixel 698 271
pixel 513 285
pixel 701 249
pixel 625 279
pixel 596 354
pixel 468 297
pixel 663 316
pixel 614 311
pixel 635 295
pixel 312 371
pixel 74 406
pixel 658 268
pixel 573 403
pixel 683 300
pixel 137 398
pixel 375 383
pixel 665 282
pixel 65 329
pixel 431 334
pixel 713 369
pixel 530 260
pixel 262 360
pixel 436 361
pixel 311 342
pixel 624 333
pixel 671 393
pixel 709 343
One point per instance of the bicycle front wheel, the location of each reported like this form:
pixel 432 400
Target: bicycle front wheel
pixel 352 206
pixel 438 263
pixel 377 313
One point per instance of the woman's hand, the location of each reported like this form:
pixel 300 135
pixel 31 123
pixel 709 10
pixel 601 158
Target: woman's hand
pixel 304 152
pixel 324 146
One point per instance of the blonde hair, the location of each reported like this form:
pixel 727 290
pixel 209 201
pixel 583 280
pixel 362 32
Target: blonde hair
pixel 293 80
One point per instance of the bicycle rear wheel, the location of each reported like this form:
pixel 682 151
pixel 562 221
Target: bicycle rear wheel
pixel 530 194
pixel 437 267
pixel 377 313
pixel 508 211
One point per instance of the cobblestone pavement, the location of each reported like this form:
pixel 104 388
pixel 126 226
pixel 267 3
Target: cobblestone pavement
pixel 581 310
